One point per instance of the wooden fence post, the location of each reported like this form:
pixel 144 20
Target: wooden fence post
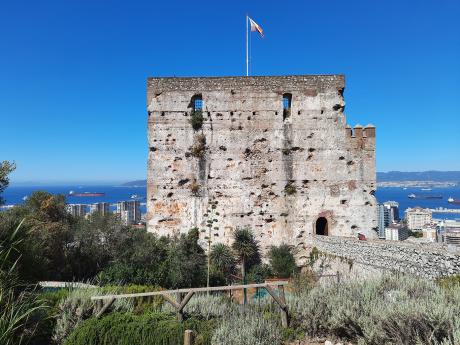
pixel 188 337
pixel 180 313
pixel 284 311
pixel 281 300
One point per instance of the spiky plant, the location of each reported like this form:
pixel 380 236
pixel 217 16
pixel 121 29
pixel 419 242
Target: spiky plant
pixel 223 260
pixel 246 248
pixel 16 306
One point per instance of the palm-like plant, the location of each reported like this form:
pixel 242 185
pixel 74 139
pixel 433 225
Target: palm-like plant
pixel 246 248
pixel 223 260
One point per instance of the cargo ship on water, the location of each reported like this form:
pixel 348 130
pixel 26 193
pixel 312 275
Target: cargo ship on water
pixel 413 196
pixel 72 193
pixel 453 201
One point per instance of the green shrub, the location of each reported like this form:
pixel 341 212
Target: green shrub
pixel 449 282
pixel 304 281
pixel 258 273
pixel 247 328
pixel 196 119
pixel 391 310
pixel 78 306
pixel 130 329
pixel 282 261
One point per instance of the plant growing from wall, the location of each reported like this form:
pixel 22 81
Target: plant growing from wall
pixel 196 119
pixel 290 189
pixel 195 188
pixel 199 146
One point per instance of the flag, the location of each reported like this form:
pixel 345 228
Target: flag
pixel 256 27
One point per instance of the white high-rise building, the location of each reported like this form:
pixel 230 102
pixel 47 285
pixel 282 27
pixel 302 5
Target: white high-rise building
pixel 76 210
pixel 417 218
pixel 129 211
pixel 101 207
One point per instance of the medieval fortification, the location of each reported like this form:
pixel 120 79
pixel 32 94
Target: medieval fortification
pixel 271 153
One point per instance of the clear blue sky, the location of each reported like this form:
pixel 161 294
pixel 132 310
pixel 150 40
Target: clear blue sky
pixel 73 74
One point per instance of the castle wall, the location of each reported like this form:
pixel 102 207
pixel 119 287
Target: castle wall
pixel 252 154
pixel 372 258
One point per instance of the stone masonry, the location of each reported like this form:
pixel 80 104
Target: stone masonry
pixel 272 153
pixel 425 260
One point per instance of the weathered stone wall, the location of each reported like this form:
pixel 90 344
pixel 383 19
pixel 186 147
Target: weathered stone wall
pixel 369 257
pixel 252 153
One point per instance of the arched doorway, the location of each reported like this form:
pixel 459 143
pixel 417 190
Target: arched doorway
pixel 321 226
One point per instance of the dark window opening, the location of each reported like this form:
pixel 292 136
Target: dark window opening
pixel 321 226
pixel 287 102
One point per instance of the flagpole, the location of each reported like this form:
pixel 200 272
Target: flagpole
pixel 247 46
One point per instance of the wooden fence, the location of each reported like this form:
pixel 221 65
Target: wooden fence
pixel 183 296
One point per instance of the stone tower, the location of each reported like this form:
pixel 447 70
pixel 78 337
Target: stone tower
pixel 271 153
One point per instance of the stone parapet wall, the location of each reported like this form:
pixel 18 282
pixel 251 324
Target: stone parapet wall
pixel 426 260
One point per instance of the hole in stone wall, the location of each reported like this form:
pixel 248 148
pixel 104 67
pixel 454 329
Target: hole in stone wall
pixel 170 194
pixel 254 113
pixel 223 148
pixel 153 149
pixel 343 202
pixel 162 113
pixel 337 107
pixel 341 158
pixel 350 163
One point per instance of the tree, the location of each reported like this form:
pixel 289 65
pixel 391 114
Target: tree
pixel 223 260
pixel 282 261
pixel 246 249
pixel 186 263
pixel 6 168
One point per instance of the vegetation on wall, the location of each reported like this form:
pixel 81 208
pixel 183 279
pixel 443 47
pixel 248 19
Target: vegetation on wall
pixel 199 146
pixel 196 119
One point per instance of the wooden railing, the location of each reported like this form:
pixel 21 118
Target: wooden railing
pixel 181 301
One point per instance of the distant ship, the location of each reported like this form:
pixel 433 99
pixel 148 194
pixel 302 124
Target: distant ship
pixel 72 193
pixel 134 196
pixel 453 201
pixel 426 189
pixel 413 196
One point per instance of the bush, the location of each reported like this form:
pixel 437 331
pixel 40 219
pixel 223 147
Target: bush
pixel 196 119
pixel 449 282
pixel 258 273
pixel 391 310
pixel 129 329
pixel 247 328
pixel 282 261
pixel 78 306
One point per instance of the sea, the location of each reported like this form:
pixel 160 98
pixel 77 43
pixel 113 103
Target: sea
pixel 14 195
